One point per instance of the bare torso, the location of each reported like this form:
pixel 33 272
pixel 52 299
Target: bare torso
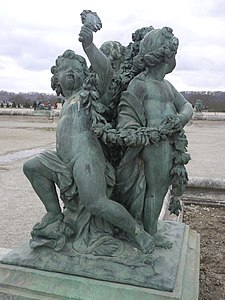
pixel 74 137
pixel 158 104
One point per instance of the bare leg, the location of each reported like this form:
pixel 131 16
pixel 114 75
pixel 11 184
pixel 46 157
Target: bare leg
pixel 42 182
pixel 158 163
pixel 90 179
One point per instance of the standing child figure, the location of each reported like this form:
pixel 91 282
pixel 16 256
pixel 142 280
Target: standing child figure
pixel 144 175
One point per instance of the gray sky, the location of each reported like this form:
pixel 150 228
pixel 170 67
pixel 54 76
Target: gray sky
pixel 34 32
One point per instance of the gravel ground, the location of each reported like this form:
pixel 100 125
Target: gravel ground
pixel 20 207
pixel 206 146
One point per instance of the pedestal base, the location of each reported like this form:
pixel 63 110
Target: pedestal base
pixel 18 282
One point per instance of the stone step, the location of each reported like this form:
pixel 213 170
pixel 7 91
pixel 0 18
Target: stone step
pixel 204 196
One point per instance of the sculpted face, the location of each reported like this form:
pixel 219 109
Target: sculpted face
pixel 114 52
pixel 70 74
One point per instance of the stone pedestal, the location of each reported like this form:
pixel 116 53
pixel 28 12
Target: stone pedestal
pixel 19 282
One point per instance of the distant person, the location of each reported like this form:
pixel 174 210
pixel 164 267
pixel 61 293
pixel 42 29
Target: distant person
pixel 35 105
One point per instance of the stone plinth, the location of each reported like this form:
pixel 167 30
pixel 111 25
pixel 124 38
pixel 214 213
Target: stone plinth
pixel 21 282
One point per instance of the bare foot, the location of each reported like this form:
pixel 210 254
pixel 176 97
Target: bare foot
pixel 161 241
pixel 47 219
pixel 145 241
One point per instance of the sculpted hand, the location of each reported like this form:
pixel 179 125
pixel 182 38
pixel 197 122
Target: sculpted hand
pixel 86 36
pixel 134 139
pixel 130 140
pixel 174 122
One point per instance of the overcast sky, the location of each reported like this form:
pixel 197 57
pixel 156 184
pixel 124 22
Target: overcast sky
pixel 34 32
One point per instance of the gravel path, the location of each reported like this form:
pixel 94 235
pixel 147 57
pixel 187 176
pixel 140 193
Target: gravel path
pixel 207 149
pixel 20 206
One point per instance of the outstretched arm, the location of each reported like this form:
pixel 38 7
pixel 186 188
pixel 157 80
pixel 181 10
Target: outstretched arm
pixel 98 60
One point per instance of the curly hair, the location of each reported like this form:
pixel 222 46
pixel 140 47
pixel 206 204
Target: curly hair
pixel 68 54
pixel 158 46
pixel 116 49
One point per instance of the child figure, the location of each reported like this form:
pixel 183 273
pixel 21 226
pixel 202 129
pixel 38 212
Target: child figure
pixel 144 174
pixel 79 161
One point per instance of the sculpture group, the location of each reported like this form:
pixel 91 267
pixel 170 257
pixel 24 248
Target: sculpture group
pixel 120 145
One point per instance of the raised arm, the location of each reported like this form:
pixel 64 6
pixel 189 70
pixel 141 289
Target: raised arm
pixel 99 62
